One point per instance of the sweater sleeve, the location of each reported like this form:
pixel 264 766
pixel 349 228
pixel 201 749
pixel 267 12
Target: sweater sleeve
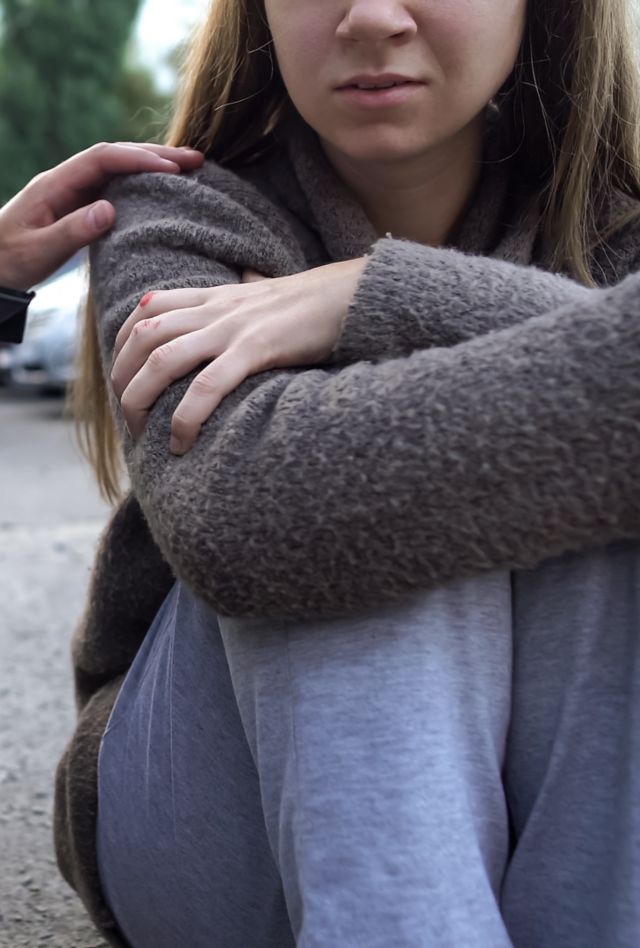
pixel 414 297
pixel 314 492
pixel 411 296
pixel 177 231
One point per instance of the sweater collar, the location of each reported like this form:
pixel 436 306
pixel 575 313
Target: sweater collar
pixel 498 222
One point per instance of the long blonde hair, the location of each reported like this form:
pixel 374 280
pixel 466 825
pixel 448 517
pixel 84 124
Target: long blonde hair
pixel 573 101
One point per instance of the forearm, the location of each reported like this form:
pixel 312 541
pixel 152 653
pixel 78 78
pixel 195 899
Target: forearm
pixel 313 493
pixel 414 297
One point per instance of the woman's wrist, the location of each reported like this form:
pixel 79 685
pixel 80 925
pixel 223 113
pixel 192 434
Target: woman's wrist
pixel 352 271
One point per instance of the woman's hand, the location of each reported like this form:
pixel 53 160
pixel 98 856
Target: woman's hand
pixel 235 331
pixel 58 212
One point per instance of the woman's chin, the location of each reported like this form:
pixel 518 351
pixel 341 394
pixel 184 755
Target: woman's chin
pixel 385 145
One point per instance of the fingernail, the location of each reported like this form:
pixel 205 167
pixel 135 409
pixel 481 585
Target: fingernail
pixel 176 445
pixel 98 215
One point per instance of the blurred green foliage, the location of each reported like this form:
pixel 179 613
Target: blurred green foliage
pixel 66 82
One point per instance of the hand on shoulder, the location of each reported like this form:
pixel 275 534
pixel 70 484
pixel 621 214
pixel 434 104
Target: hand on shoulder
pixel 59 211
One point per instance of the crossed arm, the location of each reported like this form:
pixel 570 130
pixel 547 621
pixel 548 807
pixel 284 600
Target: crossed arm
pixel 313 492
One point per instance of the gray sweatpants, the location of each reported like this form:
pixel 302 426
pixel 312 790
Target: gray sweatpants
pixel 460 769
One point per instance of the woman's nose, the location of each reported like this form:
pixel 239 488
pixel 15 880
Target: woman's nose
pixel 376 20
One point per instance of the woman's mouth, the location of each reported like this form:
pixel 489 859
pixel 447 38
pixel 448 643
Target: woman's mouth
pixel 379 94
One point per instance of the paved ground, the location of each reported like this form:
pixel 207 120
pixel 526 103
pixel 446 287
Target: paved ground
pixel 50 517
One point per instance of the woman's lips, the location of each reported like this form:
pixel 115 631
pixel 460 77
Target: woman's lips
pixel 379 98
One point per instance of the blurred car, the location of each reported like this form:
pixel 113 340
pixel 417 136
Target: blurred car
pixel 45 358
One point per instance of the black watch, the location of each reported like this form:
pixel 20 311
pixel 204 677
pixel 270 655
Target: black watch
pixel 13 313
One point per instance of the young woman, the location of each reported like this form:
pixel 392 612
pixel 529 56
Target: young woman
pixel 392 697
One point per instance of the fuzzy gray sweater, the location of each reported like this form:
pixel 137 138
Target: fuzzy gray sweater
pixel 479 413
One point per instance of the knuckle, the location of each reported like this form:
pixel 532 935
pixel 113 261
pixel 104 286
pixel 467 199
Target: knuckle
pixel 99 148
pixel 205 385
pixel 258 339
pixel 258 346
pixel 161 356
pixel 151 299
pixel 36 181
pixel 145 326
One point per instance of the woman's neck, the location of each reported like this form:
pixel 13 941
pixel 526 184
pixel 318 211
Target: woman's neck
pixel 422 198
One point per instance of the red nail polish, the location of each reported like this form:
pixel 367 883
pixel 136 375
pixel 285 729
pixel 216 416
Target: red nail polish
pixel 146 299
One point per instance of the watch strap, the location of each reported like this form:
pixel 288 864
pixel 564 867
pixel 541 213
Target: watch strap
pixel 13 313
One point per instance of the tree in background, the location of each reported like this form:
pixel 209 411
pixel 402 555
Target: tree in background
pixel 145 111
pixel 65 83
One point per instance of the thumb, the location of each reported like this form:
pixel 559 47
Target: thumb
pixel 98 218
pixel 53 245
pixel 85 225
pixel 61 240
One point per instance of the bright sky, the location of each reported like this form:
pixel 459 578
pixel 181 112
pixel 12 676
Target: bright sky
pixel 162 25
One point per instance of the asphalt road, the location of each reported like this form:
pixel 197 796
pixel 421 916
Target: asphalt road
pixel 50 518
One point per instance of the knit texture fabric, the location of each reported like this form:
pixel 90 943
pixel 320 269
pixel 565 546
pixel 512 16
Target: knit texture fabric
pixel 478 413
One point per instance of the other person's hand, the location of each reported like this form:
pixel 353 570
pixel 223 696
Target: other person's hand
pixel 236 331
pixel 58 212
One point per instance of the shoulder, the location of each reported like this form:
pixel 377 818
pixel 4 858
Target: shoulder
pixel 214 197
